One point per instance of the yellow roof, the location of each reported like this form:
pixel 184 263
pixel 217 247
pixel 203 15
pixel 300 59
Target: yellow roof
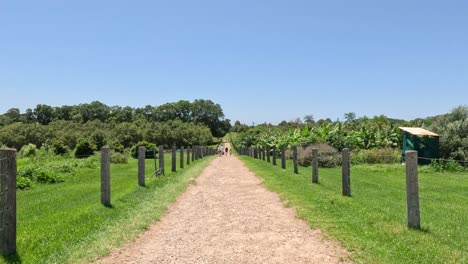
pixel 418 131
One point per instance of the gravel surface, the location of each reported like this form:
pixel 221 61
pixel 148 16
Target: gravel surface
pixel 227 217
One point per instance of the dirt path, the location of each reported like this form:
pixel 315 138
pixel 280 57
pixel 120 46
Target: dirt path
pixel 227 217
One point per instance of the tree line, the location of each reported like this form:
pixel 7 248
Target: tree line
pixel 361 133
pixel 61 128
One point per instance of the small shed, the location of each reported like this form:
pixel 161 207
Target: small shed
pixel 425 142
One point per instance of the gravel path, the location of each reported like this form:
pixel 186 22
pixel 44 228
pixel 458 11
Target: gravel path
pixel 227 217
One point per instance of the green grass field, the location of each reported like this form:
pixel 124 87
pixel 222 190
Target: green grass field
pixel 372 223
pixel 65 222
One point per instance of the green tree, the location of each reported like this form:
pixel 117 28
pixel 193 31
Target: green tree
pixel 44 114
pixel 350 117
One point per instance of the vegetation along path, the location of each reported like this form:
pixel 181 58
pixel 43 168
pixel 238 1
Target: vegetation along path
pixel 227 217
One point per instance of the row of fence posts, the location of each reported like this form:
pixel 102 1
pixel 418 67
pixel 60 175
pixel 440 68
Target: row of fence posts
pixel 412 189
pixel 197 152
pixel 8 173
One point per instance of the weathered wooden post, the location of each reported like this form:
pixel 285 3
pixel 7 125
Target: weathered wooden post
pixel 174 157
pixel 412 189
pixel 283 158
pixel 181 157
pixel 7 201
pixel 263 153
pixel 296 169
pixel 346 181
pixel 274 156
pixel 268 154
pixel 105 177
pixel 161 159
pixel 141 165
pixel 194 152
pixel 315 165
pixel 188 155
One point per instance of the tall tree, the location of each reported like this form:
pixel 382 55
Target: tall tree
pixel 44 113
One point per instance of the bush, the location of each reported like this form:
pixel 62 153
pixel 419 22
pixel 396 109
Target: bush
pixel 376 156
pixel 328 156
pixel 59 147
pixel 440 166
pixel 47 176
pixel 117 147
pixel 118 158
pixel 27 172
pixel 84 148
pixel 151 149
pixel 23 183
pixel 29 150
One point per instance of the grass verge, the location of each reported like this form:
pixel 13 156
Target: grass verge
pixel 372 223
pixel 65 223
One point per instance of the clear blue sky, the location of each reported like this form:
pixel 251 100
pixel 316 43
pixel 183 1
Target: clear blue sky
pixel 262 60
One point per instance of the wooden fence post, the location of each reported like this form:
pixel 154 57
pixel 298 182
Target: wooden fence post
pixel 296 170
pixel 283 158
pixel 263 153
pixel 412 189
pixel 268 154
pixel 105 177
pixel 315 165
pixel 174 157
pixel 346 181
pixel 141 165
pixel 181 157
pixel 161 159
pixel 7 201
pixel 188 155
pixel 274 156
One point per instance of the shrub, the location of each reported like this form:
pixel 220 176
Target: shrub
pixel 328 156
pixel 84 148
pixel 59 147
pixel 118 158
pixel 440 166
pixel 23 183
pixel 376 156
pixel 47 176
pixel 29 150
pixel 150 149
pixel 117 147
pixel 27 172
